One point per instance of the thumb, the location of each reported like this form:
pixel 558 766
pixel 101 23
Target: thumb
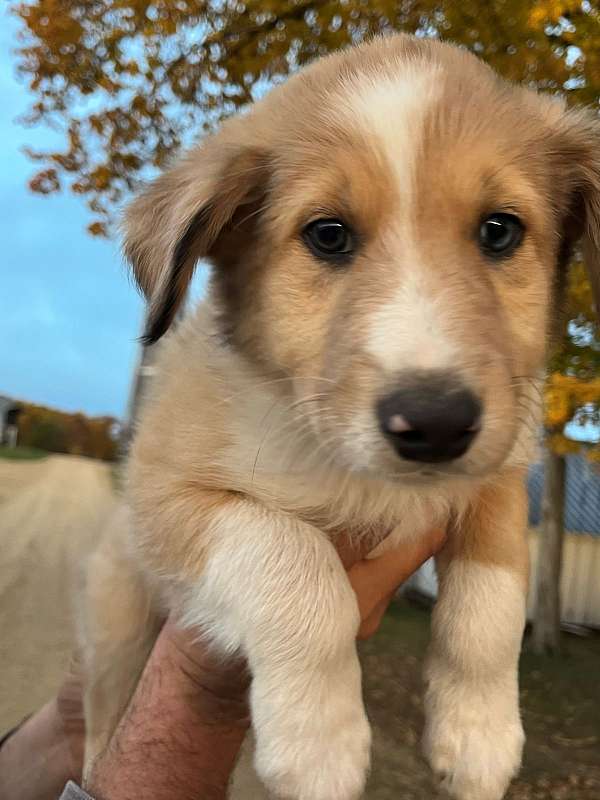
pixel 375 580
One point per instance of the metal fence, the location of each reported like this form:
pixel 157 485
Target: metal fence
pixel 580 578
pixel 582 496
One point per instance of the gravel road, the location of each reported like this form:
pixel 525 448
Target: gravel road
pixel 51 512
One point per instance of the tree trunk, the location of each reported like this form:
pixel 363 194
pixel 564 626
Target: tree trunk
pixel 546 625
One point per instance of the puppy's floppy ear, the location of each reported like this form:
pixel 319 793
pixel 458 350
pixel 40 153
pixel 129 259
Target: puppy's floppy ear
pixel 180 217
pixel 577 175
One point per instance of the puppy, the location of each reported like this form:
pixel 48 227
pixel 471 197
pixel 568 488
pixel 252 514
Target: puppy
pixel 387 231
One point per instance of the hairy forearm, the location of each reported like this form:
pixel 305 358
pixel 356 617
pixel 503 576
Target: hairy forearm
pixel 180 736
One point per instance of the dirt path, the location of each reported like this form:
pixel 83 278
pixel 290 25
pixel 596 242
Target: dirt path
pixel 50 515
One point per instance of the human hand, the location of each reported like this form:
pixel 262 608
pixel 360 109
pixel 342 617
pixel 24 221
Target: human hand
pixel 375 581
pixel 47 749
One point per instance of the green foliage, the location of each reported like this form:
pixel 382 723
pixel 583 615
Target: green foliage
pixel 21 453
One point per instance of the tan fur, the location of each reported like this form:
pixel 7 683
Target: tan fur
pixel 260 443
pixel 471 698
pixel 501 504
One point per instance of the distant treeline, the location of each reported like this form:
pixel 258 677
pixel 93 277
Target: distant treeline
pixel 76 434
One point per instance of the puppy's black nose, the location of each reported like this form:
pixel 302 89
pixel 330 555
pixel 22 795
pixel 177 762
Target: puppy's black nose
pixel 430 422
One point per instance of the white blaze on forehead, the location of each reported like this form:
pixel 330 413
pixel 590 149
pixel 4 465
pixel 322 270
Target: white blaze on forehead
pixel 390 108
pixel 413 329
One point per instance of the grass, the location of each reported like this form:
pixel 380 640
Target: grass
pixel 22 453
pixel 560 701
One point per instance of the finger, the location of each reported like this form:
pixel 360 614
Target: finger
pixel 390 569
pixel 70 712
pixel 370 625
pixel 352 549
pixel 377 578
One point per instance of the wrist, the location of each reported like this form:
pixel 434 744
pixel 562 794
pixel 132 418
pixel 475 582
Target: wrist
pixel 180 735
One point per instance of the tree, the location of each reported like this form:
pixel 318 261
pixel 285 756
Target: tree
pixel 128 80
pixel 61 432
pixel 572 397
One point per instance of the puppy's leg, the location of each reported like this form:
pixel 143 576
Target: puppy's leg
pixel 118 631
pixel 275 587
pixel 473 734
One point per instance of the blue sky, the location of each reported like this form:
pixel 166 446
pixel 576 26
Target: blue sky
pixel 69 317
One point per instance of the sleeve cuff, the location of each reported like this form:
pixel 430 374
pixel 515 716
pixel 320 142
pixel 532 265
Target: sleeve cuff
pixel 73 792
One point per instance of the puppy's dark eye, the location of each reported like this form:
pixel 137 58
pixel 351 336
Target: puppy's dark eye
pixel 500 235
pixel 329 239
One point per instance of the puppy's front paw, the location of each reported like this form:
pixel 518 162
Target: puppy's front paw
pixel 314 748
pixel 473 739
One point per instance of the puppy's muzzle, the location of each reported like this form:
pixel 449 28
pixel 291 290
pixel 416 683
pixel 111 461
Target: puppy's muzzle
pixel 432 419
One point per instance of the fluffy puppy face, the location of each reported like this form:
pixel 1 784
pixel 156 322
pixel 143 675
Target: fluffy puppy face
pixel 387 230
